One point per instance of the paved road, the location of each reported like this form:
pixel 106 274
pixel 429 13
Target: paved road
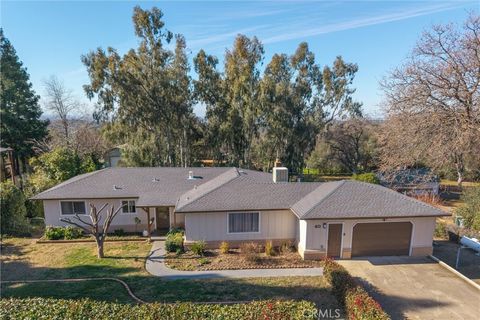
pixel 155 265
pixel 416 288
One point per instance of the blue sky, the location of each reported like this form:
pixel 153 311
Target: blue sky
pixel 51 36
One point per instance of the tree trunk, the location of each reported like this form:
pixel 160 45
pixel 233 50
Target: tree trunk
pixel 99 248
pixel 460 168
pixel 460 178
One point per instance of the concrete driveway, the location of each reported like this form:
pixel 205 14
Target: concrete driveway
pixel 416 288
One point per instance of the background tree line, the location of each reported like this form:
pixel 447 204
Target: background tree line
pixel 145 99
pixel 290 107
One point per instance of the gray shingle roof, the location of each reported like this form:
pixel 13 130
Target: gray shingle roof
pixel 170 183
pixel 354 199
pixel 230 189
pixel 251 190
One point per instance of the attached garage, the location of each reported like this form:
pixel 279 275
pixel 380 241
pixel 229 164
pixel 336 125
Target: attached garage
pixel 381 239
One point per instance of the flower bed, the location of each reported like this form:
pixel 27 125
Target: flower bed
pixel 234 260
pixel 358 303
pixel 39 308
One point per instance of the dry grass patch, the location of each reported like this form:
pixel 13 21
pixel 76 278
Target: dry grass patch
pixel 235 259
pixel 24 259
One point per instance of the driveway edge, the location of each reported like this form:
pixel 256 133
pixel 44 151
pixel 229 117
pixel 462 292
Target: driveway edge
pixel 458 274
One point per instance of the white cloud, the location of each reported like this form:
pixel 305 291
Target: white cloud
pixel 301 32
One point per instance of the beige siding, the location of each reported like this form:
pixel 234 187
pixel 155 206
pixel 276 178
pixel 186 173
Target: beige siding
pixel 212 226
pixel 123 221
pixel 316 236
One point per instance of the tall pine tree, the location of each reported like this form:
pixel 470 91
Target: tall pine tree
pixel 19 109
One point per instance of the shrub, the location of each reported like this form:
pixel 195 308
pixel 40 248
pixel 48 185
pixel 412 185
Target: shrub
pixel 175 231
pixel 60 233
pixel 224 247
pixel 286 247
pixel 41 308
pixel 12 210
pixel 369 177
pixel 54 233
pixel 72 233
pixel 269 250
pixel 174 242
pixel 470 210
pixel 358 303
pixel 441 230
pixel 249 247
pixel 203 261
pixel 198 248
pixel 119 232
pixel 250 251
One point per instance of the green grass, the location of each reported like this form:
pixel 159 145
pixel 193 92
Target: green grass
pixel 22 259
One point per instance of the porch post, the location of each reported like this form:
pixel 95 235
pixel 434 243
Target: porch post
pixel 147 210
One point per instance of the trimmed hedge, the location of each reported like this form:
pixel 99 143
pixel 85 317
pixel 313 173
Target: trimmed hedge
pixel 357 302
pixel 39 308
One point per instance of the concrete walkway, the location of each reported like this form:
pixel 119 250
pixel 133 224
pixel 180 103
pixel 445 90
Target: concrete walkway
pixel 155 265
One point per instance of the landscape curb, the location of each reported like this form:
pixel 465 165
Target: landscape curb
pixel 125 285
pixel 458 274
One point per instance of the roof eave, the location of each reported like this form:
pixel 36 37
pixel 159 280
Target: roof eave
pixel 377 217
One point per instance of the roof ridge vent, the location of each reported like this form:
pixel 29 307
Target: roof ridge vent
pixel 155 180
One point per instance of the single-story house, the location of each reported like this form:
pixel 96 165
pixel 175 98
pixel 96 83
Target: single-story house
pixel 340 219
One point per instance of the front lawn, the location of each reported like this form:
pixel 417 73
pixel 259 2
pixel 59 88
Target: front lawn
pixel 22 259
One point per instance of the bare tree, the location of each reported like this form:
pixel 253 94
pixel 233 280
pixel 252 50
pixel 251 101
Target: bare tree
pixel 61 101
pixel 94 226
pixel 352 143
pixel 432 101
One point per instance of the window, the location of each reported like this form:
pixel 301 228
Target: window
pixel 243 222
pixel 128 206
pixel 72 207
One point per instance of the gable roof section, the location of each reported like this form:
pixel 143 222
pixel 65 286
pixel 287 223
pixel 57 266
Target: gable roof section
pixel 159 186
pixel 204 189
pixel 251 190
pixel 354 199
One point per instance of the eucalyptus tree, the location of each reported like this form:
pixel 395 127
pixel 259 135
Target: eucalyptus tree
pixel 209 90
pixel 232 99
pixel 242 75
pixel 145 94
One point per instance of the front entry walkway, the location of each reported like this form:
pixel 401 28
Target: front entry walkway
pixel 155 265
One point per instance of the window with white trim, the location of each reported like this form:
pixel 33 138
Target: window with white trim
pixel 72 207
pixel 128 206
pixel 243 222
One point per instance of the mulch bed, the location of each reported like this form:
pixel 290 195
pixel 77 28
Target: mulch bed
pixel 235 260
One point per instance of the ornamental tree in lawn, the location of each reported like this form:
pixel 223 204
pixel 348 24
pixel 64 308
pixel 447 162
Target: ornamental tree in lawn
pixel 96 227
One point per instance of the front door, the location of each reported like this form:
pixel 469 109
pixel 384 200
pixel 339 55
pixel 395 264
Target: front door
pixel 162 218
pixel 334 245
